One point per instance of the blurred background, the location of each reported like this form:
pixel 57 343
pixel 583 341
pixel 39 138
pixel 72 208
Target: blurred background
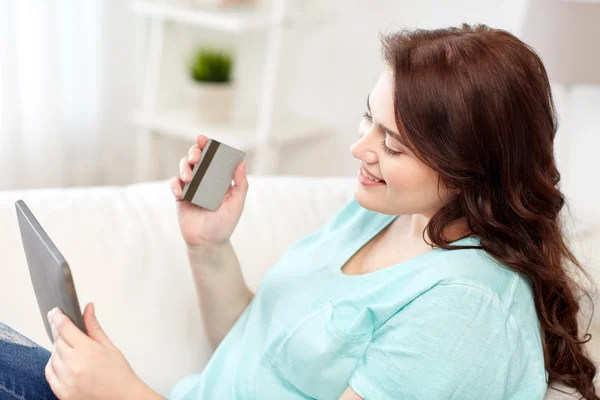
pixel 112 92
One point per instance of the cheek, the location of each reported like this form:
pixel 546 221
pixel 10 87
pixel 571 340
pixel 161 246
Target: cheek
pixel 407 174
pixel 412 187
pixel 414 182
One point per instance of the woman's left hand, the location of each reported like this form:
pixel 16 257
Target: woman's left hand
pixel 89 366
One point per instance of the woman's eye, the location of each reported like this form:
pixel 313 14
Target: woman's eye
pixel 390 151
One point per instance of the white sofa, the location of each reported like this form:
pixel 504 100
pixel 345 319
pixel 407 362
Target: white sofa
pixel 127 256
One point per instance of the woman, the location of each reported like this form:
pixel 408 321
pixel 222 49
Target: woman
pixel 445 277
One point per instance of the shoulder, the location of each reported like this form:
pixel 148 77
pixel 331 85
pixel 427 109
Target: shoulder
pixel 473 280
pixel 462 335
pixel 477 269
pixel 462 317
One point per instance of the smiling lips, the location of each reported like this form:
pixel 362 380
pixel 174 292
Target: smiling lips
pixel 366 179
pixel 370 176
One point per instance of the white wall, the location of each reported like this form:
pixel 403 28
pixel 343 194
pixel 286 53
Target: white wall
pixel 330 69
pixel 330 66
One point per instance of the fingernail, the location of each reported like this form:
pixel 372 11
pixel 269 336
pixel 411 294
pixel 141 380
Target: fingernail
pixel 190 157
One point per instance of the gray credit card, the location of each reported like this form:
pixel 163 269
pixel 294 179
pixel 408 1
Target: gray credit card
pixel 212 175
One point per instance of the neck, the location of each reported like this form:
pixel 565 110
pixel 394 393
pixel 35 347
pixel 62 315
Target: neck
pixel 412 228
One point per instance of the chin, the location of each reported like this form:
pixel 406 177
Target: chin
pixel 368 200
pixel 377 203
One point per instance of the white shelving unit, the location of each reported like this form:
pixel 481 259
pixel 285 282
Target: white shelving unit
pixel 233 21
pixel 183 123
pixel 255 137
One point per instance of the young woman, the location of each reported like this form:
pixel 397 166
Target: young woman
pixel 445 277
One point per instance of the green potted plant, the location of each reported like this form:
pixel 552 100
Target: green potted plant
pixel 211 84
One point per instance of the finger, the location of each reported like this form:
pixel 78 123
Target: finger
pixel 228 193
pixel 52 379
pixel 63 369
pixel 52 325
pixel 176 187
pixel 201 141
pixel 185 170
pixel 239 188
pixel 194 155
pixel 240 179
pixel 62 349
pixel 94 330
pixel 67 330
pixel 58 365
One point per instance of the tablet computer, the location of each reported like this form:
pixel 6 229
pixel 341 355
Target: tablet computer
pixel 49 271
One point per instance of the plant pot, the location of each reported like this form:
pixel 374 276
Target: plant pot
pixel 211 100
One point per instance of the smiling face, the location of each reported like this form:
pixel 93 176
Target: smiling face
pixel 409 186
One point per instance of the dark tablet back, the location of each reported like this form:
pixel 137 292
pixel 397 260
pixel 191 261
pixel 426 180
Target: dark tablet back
pixel 49 271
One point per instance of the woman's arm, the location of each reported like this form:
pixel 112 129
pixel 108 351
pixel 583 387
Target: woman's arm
pixel 221 289
pixel 220 286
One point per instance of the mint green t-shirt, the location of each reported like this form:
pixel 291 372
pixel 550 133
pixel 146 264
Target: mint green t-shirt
pixel 447 324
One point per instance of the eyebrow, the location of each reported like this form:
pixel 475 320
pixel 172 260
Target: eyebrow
pixel 399 138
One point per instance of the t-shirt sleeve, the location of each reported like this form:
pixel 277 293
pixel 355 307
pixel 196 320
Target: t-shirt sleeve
pixel 455 341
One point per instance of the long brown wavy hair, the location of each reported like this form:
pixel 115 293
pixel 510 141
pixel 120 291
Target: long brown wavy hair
pixel 475 105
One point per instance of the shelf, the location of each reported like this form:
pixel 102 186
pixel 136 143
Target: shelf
pixel 226 19
pixel 184 124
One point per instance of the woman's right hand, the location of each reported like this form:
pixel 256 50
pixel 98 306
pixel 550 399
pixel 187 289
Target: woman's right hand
pixel 200 226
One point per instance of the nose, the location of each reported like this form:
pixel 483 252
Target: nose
pixel 364 148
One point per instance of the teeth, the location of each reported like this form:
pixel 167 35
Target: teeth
pixel 369 177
